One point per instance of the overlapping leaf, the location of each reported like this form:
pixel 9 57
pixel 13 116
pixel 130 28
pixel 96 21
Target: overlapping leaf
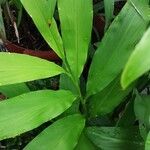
pixel 115 138
pixel 76 26
pixel 61 135
pixel 106 100
pixel 14 89
pixel 28 111
pixel 115 48
pixel 139 61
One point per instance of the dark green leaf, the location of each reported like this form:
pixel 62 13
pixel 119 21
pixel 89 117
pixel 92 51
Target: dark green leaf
pixel 84 143
pixel 115 138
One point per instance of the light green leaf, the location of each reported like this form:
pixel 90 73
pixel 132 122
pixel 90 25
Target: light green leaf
pixel 28 111
pixel 41 12
pixel 106 100
pixel 115 48
pixel 139 61
pixel 61 135
pixel 14 89
pixel 76 26
pixel 115 138
pixel 17 68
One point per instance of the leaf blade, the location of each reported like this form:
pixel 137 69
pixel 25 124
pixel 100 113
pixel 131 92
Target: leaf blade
pixel 111 58
pixel 135 66
pixel 20 114
pixel 22 68
pixel 75 35
pixel 59 136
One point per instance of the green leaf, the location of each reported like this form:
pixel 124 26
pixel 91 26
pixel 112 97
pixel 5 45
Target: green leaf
pixel 75 33
pixel 115 48
pixel 41 12
pixel 61 135
pixel 139 61
pixel 106 100
pixel 147 143
pixel 127 118
pixel 17 68
pixel 109 10
pixel 141 8
pixel 84 143
pixel 115 138
pixel 28 111
pixel 14 89
pixel 142 109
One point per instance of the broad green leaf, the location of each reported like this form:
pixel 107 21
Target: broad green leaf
pixel 127 118
pixel 66 83
pixel 147 143
pixel 76 26
pixel 139 61
pixel 142 9
pixel 14 89
pixel 142 109
pixel 61 135
pixel 28 111
pixel 115 48
pixel 109 10
pixel 41 12
pixel 16 68
pixel 84 143
pixel 115 138
pixel 106 100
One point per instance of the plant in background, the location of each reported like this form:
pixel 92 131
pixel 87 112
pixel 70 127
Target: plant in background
pixel 79 100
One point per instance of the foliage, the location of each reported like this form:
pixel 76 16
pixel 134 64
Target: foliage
pixel 82 101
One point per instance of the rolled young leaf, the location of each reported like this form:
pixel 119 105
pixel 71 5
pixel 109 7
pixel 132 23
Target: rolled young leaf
pixel 115 48
pixel 61 135
pixel 76 27
pixel 28 111
pixel 115 138
pixel 41 12
pixel 17 68
pixel 139 61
